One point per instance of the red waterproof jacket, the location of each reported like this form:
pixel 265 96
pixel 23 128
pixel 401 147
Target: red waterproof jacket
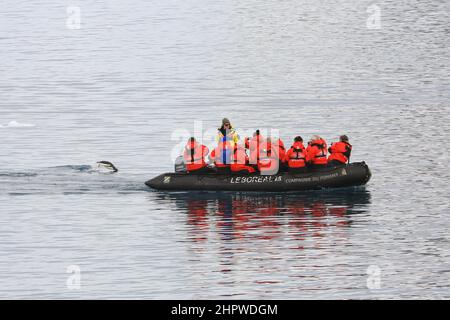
pixel 194 156
pixel 240 160
pixel 317 152
pixel 254 146
pixel 296 155
pixel 340 151
pixel 222 155
pixel 279 146
pixel 269 161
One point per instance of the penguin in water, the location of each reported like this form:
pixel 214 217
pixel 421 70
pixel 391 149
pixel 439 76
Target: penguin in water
pixel 108 165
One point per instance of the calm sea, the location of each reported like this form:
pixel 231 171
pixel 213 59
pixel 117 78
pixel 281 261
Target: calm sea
pixel 127 81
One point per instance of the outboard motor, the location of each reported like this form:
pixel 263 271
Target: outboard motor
pixel 180 166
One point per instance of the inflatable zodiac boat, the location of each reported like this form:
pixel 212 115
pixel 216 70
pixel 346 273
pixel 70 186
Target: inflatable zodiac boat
pixel 354 174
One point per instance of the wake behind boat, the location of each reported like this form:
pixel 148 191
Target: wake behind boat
pixel 350 175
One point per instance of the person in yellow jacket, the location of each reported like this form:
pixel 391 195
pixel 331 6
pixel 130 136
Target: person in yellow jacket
pixel 226 133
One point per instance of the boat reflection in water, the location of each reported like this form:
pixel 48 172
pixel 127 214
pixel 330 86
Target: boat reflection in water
pixel 253 216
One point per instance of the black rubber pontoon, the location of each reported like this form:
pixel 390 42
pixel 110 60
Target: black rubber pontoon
pixel 354 174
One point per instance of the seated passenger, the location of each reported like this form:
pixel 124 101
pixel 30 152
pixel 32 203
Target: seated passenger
pixel 317 152
pixel 340 152
pixel 221 156
pixel 296 156
pixel 194 156
pixel 278 145
pixel 239 162
pixel 254 146
pixel 269 161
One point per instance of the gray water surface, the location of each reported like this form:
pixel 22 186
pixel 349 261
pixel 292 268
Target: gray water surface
pixel 129 84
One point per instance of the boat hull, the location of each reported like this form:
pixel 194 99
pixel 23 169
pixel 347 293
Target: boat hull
pixel 354 174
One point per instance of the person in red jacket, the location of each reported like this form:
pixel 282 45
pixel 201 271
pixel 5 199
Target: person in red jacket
pixel 221 156
pixel 278 145
pixel 340 152
pixel 254 147
pixel 317 152
pixel 269 161
pixel 194 157
pixel 296 156
pixel 239 161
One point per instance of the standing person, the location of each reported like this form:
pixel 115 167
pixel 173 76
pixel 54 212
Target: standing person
pixel 317 152
pixel 340 152
pixel 194 156
pixel 296 156
pixel 226 133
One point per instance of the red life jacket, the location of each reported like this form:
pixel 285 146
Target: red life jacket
pixel 255 144
pixel 340 151
pixel 194 156
pixel 222 155
pixel 279 143
pixel 239 160
pixel 317 152
pixel 296 155
pixel 279 146
pixel 269 161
